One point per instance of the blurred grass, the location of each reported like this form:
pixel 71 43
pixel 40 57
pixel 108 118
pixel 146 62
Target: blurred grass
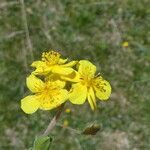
pixel 79 29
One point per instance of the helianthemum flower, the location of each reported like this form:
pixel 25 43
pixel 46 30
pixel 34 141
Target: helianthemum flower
pixel 52 63
pixel 89 86
pixel 47 95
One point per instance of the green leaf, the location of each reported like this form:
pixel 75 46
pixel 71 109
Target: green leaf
pixel 42 143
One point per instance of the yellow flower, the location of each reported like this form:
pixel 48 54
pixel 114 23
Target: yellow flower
pixel 67 110
pixel 89 86
pixel 125 44
pixel 52 63
pixel 47 95
pixel 65 123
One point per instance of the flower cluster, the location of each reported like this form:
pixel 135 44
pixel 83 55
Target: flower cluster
pixel 55 80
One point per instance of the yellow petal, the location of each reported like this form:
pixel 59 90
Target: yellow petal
pixel 56 79
pixel 78 93
pixel 92 99
pixel 73 77
pixel 34 84
pixel 55 100
pixel 37 64
pixel 70 64
pixel 59 83
pixel 62 61
pixel 62 70
pixel 86 69
pixel 102 88
pixel 41 68
pixel 29 104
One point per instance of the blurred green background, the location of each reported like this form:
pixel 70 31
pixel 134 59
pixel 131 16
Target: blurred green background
pixel 79 29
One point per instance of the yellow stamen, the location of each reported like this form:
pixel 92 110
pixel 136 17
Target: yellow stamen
pixel 51 57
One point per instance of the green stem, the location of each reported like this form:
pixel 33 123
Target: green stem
pixel 53 122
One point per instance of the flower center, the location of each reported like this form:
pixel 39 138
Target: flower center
pixel 86 81
pixel 48 95
pixel 51 57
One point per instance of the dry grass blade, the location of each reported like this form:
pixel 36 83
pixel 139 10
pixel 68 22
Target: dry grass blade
pixel 8 4
pixel 25 24
pixel 12 35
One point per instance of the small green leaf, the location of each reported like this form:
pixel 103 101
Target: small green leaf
pixel 42 143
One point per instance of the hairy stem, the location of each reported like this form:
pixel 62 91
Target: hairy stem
pixel 53 122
